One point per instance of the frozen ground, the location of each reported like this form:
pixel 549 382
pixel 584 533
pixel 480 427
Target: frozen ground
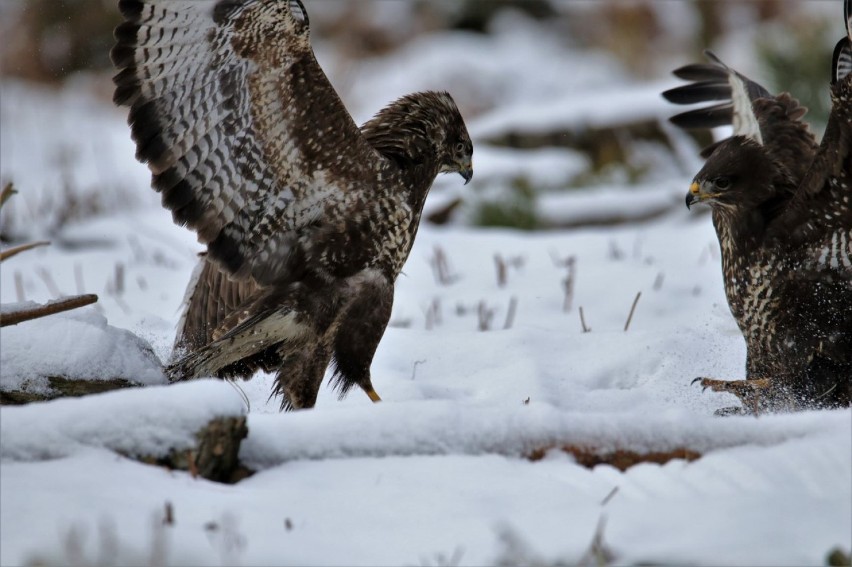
pixel 435 474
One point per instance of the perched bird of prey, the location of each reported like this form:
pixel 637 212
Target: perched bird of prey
pixel 307 218
pixel 781 209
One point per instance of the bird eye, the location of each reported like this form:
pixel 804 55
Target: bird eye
pixel 459 148
pixel 722 182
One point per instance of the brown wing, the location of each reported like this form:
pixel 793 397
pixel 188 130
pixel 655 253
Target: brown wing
pixel 772 121
pixel 248 142
pixel 211 297
pixel 821 210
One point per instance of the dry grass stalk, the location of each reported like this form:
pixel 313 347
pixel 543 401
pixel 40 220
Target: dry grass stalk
pixel 433 314
pixel 632 309
pixel 511 312
pixel 7 192
pixel 502 270
pixel 441 267
pixel 568 283
pixel 486 316
pixel 49 308
pixel 586 328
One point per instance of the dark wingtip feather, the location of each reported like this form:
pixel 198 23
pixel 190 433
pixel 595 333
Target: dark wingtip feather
pixel 126 87
pixel 122 55
pixel 125 33
pixel 703 91
pixel 710 117
pixel 701 72
pixel 131 9
pixel 146 130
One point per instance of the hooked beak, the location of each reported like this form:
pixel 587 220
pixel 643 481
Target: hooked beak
pixel 692 196
pixel 700 193
pixel 466 170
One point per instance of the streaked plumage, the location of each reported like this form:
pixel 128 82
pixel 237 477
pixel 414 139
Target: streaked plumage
pixel 782 212
pixel 307 218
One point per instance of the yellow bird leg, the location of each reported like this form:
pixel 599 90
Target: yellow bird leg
pixel 373 395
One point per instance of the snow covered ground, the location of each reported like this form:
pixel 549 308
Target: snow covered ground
pixel 436 474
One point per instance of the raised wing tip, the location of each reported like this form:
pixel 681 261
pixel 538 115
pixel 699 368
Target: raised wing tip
pixel 841 64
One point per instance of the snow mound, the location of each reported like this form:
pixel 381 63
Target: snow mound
pixel 77 345
pixel 449 427
pixel 138 421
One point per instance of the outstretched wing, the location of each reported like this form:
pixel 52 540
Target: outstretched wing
pixel 841 63
pixel 772 121
pixel 821 209
pixel 247 140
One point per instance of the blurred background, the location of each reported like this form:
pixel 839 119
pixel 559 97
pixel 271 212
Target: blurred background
pixel 561 98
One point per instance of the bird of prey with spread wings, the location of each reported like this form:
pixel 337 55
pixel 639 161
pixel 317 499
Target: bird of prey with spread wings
pixel 781 209
pixel 307 218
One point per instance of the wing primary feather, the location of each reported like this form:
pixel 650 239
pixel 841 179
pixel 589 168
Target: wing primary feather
pixel 709 117
pixel 703 91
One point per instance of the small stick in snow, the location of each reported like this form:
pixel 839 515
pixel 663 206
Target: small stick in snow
pixel 486 314
pixel 609 496
pixel 615 253
pixel 583 321
pixel 49 308
pixel 433 314
pixel 510 314
pixel 414 367
pixel 169 514
pixel 441 267
pixel 502 268
pixel 658 282
pixel 9 252
pixel 568 283
pixel 632 309
pixel 7 192
pixel 119 278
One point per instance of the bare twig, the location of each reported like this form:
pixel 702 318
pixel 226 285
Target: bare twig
pixel 658 281
pixel 7 192
pixel 9 252
pixel 49 308
pixel 632 309
pixel 510 314
pixel 586 329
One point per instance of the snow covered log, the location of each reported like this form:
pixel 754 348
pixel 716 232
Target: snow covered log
pixel 72 353
pixel 196 426
pixel 215 455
